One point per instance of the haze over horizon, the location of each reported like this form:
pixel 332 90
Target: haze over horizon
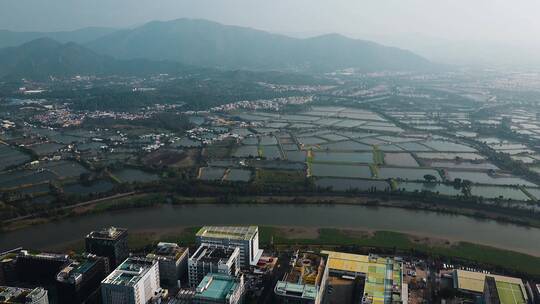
pixel 484 31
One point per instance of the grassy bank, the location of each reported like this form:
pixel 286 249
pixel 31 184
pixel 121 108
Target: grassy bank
pixel 392 240
pixel 312 238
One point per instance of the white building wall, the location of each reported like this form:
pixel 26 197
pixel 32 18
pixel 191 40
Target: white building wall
pixel 148 285
pixel 140 293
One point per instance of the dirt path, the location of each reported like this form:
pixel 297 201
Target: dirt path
pixel 83 204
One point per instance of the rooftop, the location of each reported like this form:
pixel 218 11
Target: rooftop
pixel 510 293
pixel 296 290
pixel 44 255
pixel 111 233
pixel 168 251
pixel 216 287
pixel 474 282
pixel 74 272
pixel 228 232
pixel 383 275
pixel 129 272
pixel 210 254
pixel 304 278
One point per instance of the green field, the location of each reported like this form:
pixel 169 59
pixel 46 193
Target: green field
pixel 382 239
pixel 510 293
pixel 268 176
pixel 392 241
pixel 402 242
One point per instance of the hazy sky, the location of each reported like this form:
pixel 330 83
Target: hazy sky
pixel 490 20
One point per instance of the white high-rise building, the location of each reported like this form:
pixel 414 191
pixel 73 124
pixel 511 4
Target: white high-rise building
pixel 135 281
pixel 207 259
pixel 244 237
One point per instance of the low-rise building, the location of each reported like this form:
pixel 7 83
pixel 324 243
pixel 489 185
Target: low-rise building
pixel 302 285
pixel 502 287
pixel 134 281
pixel 209 259
pixel 173 264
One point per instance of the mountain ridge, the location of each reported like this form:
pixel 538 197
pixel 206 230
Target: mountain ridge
pixel 13 38
pixel 44 57
pixel 170 46
pixel 206 43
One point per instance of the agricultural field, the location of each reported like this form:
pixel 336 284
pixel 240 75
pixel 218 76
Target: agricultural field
pixel 404 141
pixel 12 157
pixel 346 149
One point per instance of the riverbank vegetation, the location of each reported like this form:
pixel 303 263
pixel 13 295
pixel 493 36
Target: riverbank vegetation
pixel 382 242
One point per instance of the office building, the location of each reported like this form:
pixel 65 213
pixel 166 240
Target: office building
pixel 79 281
pixel 208 259
pixel 111 243
pixel 173 264
pixel 134 281
pixel 219 289
pixel 39 268
pixel 14 295
pixel 246 238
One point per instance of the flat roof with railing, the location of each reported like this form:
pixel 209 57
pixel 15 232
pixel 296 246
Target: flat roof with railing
pixel 167 251
pixel 129 272
pixel 209 254
pixel 111 233
pixel 228 232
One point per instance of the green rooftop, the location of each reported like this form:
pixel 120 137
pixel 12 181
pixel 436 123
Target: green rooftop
pixel 216 287
pixel 510 293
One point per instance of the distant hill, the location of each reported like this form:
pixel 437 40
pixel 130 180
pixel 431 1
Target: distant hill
pixel 11 38
pixel 210 44
pixel 45 57
pixel 41 58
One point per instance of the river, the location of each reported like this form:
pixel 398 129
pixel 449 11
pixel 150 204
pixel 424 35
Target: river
pixel 425 223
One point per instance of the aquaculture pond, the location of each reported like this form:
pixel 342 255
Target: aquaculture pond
pixel 345 184
pixel 333 170
pixel 129 175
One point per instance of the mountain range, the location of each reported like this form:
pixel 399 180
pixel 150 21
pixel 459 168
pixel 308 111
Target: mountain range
pixel 44 57
pixel 173 44
pixel 81 36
